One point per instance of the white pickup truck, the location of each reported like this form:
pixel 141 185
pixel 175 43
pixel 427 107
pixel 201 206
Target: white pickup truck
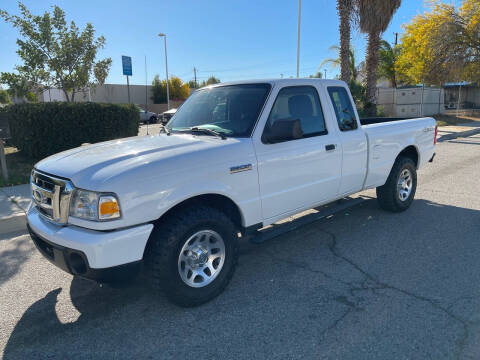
pixel 235 157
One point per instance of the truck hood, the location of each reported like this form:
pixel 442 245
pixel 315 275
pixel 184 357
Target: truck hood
pixel 91 166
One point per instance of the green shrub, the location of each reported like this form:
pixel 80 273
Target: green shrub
pixel 43 129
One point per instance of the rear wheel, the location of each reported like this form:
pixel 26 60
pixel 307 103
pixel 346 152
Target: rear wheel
pixel 399 190
pixel 153 120
pixel 192 255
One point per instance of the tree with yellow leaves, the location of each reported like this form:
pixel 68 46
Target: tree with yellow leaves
pixel 442 45
pixel 178 89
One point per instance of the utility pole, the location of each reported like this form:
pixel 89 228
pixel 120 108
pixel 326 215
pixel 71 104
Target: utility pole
pixel 396 38
pixel 298 36
pixel 166 68
pixel 195 76
pixel 146 86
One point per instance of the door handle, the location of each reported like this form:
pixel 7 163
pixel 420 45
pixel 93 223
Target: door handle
pixel 330 147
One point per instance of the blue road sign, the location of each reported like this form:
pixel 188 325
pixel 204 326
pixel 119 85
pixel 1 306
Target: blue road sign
pixel 127 65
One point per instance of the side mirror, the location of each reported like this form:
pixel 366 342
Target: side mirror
pixel 283 130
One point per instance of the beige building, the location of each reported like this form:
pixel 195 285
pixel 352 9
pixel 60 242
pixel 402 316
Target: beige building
pixel 114 94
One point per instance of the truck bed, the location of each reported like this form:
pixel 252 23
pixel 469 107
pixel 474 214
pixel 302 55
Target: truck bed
pixel 388 136
pixel 377 120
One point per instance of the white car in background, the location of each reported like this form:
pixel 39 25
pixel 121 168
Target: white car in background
pixel 167 115
pixel 148 116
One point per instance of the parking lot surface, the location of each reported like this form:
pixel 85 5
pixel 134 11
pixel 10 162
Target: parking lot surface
pixel 361 284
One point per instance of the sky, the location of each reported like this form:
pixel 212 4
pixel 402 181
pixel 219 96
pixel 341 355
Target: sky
pixel 231 40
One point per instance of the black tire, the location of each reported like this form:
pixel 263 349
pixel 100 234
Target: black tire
pixel 153 120
pixel 388 195
pixel 166 241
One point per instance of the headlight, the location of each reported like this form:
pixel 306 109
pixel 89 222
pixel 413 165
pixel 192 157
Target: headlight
pixel 90 205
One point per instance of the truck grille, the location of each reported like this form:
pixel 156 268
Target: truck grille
pixel 51 196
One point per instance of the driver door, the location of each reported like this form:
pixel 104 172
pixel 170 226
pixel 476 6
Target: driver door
pixel 300 173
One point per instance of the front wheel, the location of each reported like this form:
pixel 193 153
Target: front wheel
pixel 192 255
pixel 399 190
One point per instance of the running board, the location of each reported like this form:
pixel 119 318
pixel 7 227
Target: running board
pixel 272 231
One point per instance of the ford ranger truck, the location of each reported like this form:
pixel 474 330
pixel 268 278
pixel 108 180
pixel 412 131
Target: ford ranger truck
pixel 234 158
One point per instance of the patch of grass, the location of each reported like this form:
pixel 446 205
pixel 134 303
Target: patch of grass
pixel 18 166
pixel 445 120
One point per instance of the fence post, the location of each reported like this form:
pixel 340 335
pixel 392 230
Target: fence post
pixel 439 99
pixel 458 101
pixel 423 90
pixel 3 161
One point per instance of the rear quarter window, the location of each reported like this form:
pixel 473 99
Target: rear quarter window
pixel 343 108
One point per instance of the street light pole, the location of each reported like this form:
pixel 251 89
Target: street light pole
pixel 298 36
pixel 166 68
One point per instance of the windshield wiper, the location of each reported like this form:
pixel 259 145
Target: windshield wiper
pixel 208 131
pixel 165 130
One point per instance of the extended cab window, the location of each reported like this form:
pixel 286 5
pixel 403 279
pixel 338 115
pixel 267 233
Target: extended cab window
pixel 343 108
pixel 299 103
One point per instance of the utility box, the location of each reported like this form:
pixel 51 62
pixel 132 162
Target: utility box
pixel 411 102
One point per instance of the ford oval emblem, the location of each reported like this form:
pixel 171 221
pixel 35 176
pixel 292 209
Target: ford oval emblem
pixel 38 196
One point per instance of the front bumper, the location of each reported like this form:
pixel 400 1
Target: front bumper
pixel 75 262
pixel 89 253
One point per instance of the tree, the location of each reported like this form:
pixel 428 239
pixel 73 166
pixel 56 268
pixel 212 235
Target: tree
pixel 442 45
pixel 317 75
pixel 4 97
pixel 357 90
pixel 57 54
pixel 192 84
pixel 386 62
pixel 178 89
pixel 335 62
pixel 375 15
pixel 212 80
pixel 18 86
pixel 345 8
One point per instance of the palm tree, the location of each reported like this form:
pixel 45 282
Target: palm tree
pixel 386 62
pixel 375 15
pixel 335 62
pixel 345 8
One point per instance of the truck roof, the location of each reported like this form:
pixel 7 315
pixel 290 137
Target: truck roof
pixel 285 82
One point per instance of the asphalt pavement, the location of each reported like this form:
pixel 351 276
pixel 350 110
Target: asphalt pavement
pixel 360 284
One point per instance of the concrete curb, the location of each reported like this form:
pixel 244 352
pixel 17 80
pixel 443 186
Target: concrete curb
pixel 14 202
pixel 458 134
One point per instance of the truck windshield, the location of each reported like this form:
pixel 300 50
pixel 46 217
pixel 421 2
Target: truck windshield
pixel 231 110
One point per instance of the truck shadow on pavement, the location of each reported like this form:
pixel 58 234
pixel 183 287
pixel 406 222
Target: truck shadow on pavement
pixel 329 280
